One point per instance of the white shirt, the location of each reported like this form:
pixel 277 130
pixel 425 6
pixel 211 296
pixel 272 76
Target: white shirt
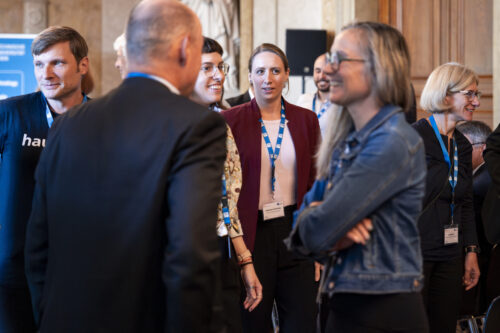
pixel 285 168
pixel 166 83
pixel 306 101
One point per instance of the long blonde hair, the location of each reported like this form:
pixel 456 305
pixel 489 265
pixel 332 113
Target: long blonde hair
pixel 389 66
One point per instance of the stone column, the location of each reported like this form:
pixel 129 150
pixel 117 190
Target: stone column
pixel 35 16
pixel 246 41
pixel 344 13
pixel 328 11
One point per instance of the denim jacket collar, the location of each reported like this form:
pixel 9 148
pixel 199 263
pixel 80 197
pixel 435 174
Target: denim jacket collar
pixel 347 149
pixel 385 113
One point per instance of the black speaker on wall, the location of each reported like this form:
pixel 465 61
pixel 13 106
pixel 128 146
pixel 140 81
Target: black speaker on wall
pixel 302 48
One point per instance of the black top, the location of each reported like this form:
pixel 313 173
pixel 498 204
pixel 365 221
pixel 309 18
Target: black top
pixel 436 214
pixel 240 99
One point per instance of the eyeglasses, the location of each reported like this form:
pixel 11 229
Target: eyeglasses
pixel 209 69
pixel 335 59
pixel 470 94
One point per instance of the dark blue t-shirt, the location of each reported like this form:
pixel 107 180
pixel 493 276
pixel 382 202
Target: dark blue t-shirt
pixel 23 131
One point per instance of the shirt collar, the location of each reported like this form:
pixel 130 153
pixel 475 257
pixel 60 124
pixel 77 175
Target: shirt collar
pixel 166 83
pixel 163 81
pixel 477 168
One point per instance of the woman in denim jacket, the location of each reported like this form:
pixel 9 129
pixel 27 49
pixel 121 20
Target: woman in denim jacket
pixel 362 212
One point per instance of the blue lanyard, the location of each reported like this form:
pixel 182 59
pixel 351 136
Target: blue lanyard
pixel 50 119
pixel 323 109
pixel 225 206
pixel 225 212
pixel 273 156
pixel 453 178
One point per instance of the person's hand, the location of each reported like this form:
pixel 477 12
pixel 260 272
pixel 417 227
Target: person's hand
pixel 359 234
pixel 252 286
pixel 317 271
pixel 471 275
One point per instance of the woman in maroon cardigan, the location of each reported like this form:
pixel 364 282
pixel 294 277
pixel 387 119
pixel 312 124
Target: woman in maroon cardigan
pixel 277 142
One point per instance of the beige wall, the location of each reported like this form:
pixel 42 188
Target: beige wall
pixel 114 20
pixel 85 17
pixel 11 13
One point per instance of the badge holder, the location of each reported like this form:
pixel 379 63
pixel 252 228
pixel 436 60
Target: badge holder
pixel 451 234
pixel 273 210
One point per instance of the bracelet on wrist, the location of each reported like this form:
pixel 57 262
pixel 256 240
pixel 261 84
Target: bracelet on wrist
pixel 246 261
pixel 244 255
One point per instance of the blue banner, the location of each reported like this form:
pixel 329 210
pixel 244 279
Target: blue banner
pixel 16 65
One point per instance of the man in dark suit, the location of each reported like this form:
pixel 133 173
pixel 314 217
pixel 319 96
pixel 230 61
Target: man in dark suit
pixel 492 158
pixel 475 300
pixel 121 237
pixel 61 68
pixel 491 211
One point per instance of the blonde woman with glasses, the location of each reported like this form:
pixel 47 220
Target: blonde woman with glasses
pixel 447 227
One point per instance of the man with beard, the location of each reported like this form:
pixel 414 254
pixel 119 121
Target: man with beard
pixel 318 101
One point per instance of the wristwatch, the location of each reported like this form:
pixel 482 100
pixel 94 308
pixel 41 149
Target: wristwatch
pixel 472 248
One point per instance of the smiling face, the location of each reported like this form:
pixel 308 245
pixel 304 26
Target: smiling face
pixel 319 76
pixel 268 76
pixel 57 73
pixel 351 82
pixel 208 87
pixel 463 107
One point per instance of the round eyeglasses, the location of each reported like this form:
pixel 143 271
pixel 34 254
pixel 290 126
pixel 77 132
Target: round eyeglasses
pixel 209 69
pixel 471 94
pixel 335 59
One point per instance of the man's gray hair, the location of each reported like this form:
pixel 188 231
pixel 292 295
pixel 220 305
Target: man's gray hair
pixel 476 131
pixel 153 25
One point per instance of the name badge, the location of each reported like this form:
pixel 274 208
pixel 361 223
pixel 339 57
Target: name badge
pixel 450 234
pixel 222 230
pixel 273 210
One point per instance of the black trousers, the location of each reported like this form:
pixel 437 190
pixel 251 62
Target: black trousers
pixel 227 314
pixel 362 313
pixel 474 301
pixel 442 293
pixel 16 313
pixel 285 278
pixel 493 279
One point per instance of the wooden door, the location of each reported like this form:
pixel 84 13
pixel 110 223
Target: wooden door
pixel 440 31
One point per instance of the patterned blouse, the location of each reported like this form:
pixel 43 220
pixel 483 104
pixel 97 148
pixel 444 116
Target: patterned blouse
pixel 232 171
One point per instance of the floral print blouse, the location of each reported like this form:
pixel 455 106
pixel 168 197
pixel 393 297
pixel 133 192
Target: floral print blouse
pixel 232 171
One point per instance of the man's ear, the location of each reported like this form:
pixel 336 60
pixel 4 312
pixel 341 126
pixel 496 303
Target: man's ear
pixel 184 51
pixel 83 65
